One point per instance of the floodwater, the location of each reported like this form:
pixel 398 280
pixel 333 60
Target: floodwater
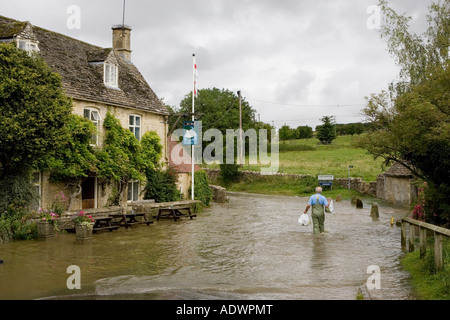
pixel 249 248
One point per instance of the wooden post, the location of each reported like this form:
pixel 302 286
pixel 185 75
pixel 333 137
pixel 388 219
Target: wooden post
pixel 423 241
pixel 411 237
pixel 403 239
pixel 438 261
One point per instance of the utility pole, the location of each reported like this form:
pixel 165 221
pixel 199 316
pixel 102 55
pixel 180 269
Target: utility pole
pixel 241 148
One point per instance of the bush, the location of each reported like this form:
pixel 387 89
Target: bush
pixel 202 191
pixel 16 224
pixel 229 173
pixel 17 190
pixel 161 186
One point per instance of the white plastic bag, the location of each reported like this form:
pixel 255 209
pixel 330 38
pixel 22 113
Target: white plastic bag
pixel 304 220
pixel 331 206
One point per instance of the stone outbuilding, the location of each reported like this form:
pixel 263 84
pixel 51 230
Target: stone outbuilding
pixel 397 186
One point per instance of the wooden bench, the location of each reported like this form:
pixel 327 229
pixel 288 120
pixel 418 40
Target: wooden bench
pixel 103 224
pixel 130 219
pixel 174 213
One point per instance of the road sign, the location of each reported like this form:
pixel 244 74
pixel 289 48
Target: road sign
pixel 190 133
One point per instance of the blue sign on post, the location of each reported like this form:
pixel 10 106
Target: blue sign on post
pixel 190 133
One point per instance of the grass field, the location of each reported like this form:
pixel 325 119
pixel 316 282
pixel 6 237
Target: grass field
pixel 308 156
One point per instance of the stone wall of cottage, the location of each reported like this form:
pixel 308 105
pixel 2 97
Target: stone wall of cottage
pixel 149 121
pixel 183 184
pixel 103 190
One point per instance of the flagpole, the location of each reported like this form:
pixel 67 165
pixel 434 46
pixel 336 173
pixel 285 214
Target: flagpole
pixel 193 119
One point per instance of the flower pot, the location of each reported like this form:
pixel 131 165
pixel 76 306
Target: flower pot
pixel 84 231
pixel 46 229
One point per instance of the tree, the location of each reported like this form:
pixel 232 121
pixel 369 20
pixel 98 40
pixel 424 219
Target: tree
pixel 326 132
pixel 219 109
pixel 304 132
pixel 285 133
pixel 412 120
pixel 33 114
pixel 34 109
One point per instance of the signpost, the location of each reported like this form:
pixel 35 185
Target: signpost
pixel 191 138
pixel 326 180
pixel 350 166
pixel 190 133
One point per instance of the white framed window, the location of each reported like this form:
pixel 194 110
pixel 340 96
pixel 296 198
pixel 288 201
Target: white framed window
pixel 135 125
pixel 93 115
pixel 27 46
pixel 111 77
pixel 133 191
pixel 37 183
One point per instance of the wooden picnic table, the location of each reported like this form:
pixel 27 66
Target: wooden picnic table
pixel 103 224
pixel 174 213
pixel 129 219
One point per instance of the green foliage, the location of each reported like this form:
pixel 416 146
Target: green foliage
pixel 220 109
pixel 416 54
pixel 286 147
pixel 16 224
pixel 229 173
pixel 161 186
pixel 77 157
pixel 411 121
pixel 151 150
pixel 34 109
pixel 124 158
pixel 427 282
pixel 326 132
pixel 301 132
pixel 352 128
pixel 17 190
pixel 202 191
pixel 304 132
pixel 120 160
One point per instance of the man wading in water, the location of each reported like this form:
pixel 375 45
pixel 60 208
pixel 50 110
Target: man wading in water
pixel 319 205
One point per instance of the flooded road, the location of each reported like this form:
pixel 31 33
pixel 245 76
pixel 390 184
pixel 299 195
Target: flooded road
pixel 249 248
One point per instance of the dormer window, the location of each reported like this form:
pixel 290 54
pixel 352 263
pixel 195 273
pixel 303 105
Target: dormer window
pixel 28 46
pixel 111 75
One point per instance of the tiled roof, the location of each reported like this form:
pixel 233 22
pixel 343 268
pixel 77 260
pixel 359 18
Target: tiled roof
pixel 400 171
pixel 80 66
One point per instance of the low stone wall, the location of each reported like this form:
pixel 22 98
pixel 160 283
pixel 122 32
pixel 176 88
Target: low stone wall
pixel 397 190
pixel 213 174
pixel 366 188
pixel 358 184
pixel 219 194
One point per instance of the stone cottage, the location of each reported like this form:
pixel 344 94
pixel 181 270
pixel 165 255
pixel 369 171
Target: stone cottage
pixel 97 80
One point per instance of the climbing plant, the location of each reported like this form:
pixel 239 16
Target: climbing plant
pixel 120 160
pixel 73 162
pixel 202 191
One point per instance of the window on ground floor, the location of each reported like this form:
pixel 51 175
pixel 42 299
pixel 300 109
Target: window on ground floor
pixel 133 191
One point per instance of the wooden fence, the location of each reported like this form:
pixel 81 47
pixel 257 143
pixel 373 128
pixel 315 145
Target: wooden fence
pixel 438 233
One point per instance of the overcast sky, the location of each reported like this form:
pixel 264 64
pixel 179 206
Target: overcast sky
pixel 293 60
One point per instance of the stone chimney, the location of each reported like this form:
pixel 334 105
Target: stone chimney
pixel 122 40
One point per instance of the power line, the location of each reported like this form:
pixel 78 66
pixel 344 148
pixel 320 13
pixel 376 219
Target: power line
pixel 306 105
